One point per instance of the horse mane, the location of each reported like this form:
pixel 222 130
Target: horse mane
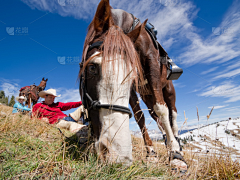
pixel 115 43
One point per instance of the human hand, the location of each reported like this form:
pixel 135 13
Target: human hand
pixel 45 120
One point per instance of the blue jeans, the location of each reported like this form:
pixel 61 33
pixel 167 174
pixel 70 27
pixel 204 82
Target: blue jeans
pixel 68 118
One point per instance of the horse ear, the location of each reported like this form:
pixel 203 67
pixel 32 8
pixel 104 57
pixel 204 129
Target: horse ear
pixel 102 18
pixel 133 35
pixel 46 79
pixel 43 79
pixel 144 24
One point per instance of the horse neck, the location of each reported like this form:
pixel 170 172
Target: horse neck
pixel 42 84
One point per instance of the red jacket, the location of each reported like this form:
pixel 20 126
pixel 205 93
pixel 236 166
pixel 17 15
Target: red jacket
pixel 54 111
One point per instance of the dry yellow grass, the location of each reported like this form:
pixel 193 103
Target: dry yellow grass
pixel 31 149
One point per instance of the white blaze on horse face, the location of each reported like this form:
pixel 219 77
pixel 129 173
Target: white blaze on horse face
pixel 114 89
pixel 162 112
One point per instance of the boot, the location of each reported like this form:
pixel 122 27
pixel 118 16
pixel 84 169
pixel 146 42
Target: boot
pixel 69 125
pixel 75 127
pixel 76 115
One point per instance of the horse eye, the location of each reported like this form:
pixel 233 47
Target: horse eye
pixel 92 68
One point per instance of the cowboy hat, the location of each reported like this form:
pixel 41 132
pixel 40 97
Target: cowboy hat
pixel 21 97
pixel 42 94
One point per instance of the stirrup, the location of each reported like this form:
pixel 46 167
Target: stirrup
pixel 174 72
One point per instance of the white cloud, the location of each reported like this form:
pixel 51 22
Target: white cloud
pixel 68 95
pixel 228 89
pixel 174 22
pixel 11 88
pixel 178 85
pixel 208 71
pixel 235 109
pixel 79 9
pixel 229 70
pixel 217 107
pixel 228 74
pixel 220 46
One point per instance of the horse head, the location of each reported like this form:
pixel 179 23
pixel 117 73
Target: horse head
pixel 110 65
pixel 42 84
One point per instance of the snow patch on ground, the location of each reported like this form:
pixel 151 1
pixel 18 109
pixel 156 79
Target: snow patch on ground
pixel 221 137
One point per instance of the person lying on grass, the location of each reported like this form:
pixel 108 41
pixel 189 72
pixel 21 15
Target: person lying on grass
pixel 51 112
pixel 19 107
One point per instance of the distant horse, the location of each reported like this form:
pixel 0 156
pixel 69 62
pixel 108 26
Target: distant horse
pixel 111 72
pixel 31 92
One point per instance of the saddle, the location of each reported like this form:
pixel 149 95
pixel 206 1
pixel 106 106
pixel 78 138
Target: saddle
pixel 173 72
pixel 28 90
pixel 23 88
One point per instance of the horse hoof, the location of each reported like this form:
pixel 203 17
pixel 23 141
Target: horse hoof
pixel 178 173
pixel 177 161
pixel 178 164
pixel 151 157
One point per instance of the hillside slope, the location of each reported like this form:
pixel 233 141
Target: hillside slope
pixel 31 149
pixel 221 137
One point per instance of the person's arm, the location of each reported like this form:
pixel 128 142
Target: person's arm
pixel 26 108
pixel 21 107
pixel 70 105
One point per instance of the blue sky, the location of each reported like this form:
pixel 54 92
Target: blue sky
pixel 202 37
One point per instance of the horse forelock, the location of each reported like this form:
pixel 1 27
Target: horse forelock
pixel 115 43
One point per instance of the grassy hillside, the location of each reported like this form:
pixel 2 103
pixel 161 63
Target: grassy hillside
pixel 31 149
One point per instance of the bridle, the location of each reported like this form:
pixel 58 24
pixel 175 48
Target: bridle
pixel 94 104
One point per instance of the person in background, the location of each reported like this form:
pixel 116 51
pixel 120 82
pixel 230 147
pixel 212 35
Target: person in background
pixel 51 112
pixel 19 107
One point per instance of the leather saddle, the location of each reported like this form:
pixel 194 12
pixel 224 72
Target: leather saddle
pixel 173 72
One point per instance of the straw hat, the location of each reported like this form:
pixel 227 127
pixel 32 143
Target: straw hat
pixel 42 94
pixel 21 97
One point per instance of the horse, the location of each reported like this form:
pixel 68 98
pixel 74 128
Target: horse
pixel 31 92
pixel 112 68
pixel 160 94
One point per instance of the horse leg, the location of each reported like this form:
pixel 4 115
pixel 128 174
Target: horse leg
pixel 29 101
pixel 140 119
pixel 148 100
pixel 159 104
pixel 170 99
pixel 161 109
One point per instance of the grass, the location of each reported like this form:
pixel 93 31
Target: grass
pixel 31 149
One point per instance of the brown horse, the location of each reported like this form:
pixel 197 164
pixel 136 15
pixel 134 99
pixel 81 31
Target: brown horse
pixel 159 89
pixel 31 92
pixel 102 77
